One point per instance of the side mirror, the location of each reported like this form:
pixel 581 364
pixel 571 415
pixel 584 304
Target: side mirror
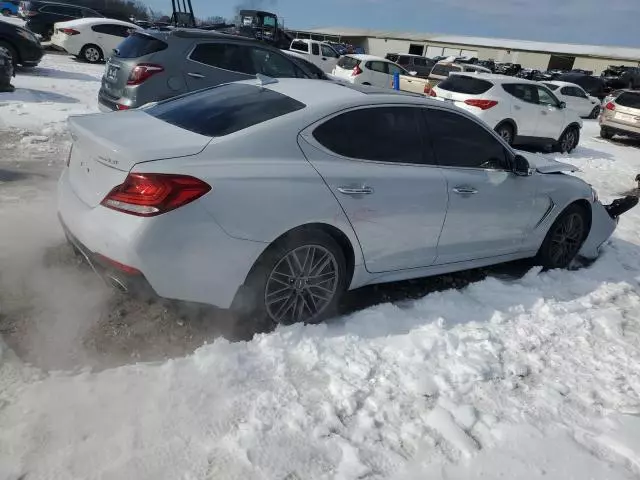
pixel 563 105
pixel 521 166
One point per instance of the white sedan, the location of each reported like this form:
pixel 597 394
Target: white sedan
pixel 91 39
pixel 576 98
pixel 274 197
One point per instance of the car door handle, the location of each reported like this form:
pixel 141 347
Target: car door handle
pixel 351 190
pixel 465 190
pixel 195 75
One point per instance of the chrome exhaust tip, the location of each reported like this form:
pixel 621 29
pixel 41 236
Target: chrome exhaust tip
pixel 116 283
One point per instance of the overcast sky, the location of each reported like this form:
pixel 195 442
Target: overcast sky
pixel 598 22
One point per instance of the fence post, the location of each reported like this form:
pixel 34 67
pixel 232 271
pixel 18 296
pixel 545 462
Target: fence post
pixel 396 81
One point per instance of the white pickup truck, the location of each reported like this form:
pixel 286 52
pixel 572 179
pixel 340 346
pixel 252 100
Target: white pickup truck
pixel 319 53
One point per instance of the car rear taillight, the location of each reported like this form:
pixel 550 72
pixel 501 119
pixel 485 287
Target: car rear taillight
pixel 356 71
pixel 142 72
pixel 151 194
pixel 69 31
pixel 481 104
pixel 120 106
pixel 610 106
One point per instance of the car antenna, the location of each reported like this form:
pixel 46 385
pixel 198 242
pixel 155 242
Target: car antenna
pixel 264 80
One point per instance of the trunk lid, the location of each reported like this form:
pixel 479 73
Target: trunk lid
pixel 107 146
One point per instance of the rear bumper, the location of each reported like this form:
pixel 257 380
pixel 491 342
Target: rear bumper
pixel 604 219
pixel 619 127
pixel 181 255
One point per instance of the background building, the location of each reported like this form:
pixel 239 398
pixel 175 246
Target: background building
pixel 529 54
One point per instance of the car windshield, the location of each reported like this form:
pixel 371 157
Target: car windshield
pixel 223 110
pixel 348 62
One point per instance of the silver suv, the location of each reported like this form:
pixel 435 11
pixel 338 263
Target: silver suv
pixel 621 115
pixel 155 65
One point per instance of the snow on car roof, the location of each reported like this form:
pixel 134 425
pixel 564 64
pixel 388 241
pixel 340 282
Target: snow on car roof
pixel 91 20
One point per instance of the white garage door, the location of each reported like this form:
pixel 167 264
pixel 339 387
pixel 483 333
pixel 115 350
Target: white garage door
pixel 451 51
pixel 469 53
pixel 434 52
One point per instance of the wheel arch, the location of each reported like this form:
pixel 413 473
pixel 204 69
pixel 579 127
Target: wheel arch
pixel 18 59
pixel 87 45
pixel 508 121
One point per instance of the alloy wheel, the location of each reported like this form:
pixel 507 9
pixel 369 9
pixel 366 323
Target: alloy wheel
pixel 92 54
pixel 568 141
pixel 567 239
pixel 301 285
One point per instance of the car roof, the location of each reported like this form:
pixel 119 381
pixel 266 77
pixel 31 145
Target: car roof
pixel 495 78
pixel 562 84
pixel 101 20
pixel 365 57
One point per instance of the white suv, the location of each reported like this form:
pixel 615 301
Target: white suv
pixel 367 70
pixel 520 111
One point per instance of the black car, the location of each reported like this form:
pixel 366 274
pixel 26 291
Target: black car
pixel 23 45
pixel 490 64
pixel 413 63
pixel 594 86
pixel 40 16
pixel 621 76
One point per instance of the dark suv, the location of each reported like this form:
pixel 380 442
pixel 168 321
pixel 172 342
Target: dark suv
pixel 413 63
pixel 155 65
pixel 621 77
pixel 40 16
pixel 23 46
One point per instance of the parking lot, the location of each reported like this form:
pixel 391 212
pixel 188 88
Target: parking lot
pixel 445 374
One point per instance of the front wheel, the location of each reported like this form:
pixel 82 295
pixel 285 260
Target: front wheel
pixel 564 239
pixel 506 132
pixel 606 133
pixel 595 112
pixel 568 140
pixel 301 278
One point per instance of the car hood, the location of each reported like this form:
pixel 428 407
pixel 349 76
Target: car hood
pixel 547 165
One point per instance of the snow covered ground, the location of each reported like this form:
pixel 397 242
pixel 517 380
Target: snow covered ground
pixel 530 378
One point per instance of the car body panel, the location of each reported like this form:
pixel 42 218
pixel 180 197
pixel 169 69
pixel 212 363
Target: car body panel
pixel 624 119
pixel 88 35
pixel 23 41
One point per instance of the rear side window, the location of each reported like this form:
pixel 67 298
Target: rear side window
pixel 526 93
pixel 222 110
pixel 420 62
pixel 629 99
pixel 444 70
pixel 224 55
pixel 461 142
pixel 383 134
pixel 403 61
pixel 464 84
pixel 348 62
pixel 377 66
pixel 299 45
pixel 110 29
pixel 315 49
pixel 139 45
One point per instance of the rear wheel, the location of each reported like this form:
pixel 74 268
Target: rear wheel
pixel 606 133
pixel 568 140
pixel 564 239
pixel 91 53
pixel 506 132
pixel 300 278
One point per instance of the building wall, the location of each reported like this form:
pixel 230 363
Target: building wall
pixel 538 61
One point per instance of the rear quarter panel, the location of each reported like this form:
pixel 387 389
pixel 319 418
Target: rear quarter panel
pixel 261 187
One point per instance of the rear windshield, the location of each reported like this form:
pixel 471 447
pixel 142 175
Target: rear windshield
pixel 551 86
pixel 629 99
pixel 348 62
pixel 443 70
pixel 464 84
pixel 138 45
pixel 222 110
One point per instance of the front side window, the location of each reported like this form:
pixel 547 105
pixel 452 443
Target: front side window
pixel 222 110
pixel 545 97
pixel 393 69
pixel 403 61
pixel 384 134
pixel 461 142
pixel 300 46
pixel 327 51
pixel 273 65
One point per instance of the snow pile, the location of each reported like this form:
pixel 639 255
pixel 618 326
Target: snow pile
pixel 530 378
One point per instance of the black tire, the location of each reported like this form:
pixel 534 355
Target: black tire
pixel 564 239
pixel 91 53
pixel 568 140
pixel 606 133
pixel 506 132
pixel 266 279
pixel 12 52
pixel 595 112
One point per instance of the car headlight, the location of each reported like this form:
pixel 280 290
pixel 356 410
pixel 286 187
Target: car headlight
pixel 594 195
